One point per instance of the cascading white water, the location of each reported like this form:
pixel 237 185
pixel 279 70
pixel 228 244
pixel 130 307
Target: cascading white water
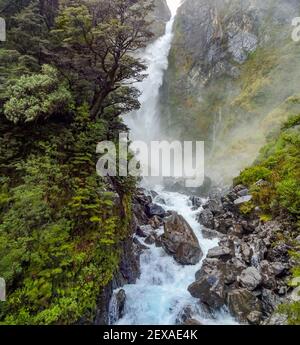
pixel 144 123
pixel 160 294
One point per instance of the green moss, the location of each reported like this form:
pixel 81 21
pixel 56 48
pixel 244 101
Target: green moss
pixel 247 208
pixel 279 166
pixel 265 218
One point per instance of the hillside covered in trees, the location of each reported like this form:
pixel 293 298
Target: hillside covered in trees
pixel 77 248
pixel 64 73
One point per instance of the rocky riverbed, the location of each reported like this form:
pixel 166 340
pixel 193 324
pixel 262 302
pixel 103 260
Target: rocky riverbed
pixel 248 272
pixel 245 274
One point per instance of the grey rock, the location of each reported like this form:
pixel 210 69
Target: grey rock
pixel 210 234
pixel 209 286
pixel 117 305
pixel 255 317
pixel 144 231
pixel 241 303
pixel 150 240
pixel 159 17
pixel 214 206
pixel 267 273
pixel 222 253
pixel 155 222
pixel 243 200
pixel 278 268
pixel 246 252
pixel 206 218
pixel 295 295
pixel 250 278
pixel 155 210
pixel 180 241
pixel 241 45
pixel 269 301
pixel 239 188
pixel 277 319
pixel 196 202
pixel 243 192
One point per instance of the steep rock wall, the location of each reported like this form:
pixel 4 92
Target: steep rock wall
pixel 231 79
pixel 160 16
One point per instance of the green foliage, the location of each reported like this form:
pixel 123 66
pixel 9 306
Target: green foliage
pixel 279 166
pixel 61 225
pixel 97 52
pixel 292 310
pixel 253 174
pixel 36 97
pixel 61 228
pixel 247 208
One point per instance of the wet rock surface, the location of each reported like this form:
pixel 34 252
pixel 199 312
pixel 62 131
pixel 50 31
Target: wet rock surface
pixel 248 271
pixel 180 241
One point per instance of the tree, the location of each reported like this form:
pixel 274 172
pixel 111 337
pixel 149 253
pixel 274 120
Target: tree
pixel 95 43
pixel 28 31
pixel 37 96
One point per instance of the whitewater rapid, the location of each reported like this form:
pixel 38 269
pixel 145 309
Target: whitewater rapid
pixel 160 294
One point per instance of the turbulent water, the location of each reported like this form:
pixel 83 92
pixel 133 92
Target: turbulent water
pixel 160 295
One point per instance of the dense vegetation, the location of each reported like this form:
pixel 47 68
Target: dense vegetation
pixel 64 74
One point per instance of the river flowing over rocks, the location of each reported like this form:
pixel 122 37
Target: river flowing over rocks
pixel 194 258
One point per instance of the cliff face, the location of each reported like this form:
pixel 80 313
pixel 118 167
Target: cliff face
pixel 160 16
pixel 231 78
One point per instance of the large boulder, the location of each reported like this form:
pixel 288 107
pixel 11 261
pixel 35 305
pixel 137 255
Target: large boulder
pixel 214 205
pixel 206 218
pixel 250 278
pixel 196 201
pixel 155 210
pixel 270 301
pixel 180 241
pixel 242 303
pixel 223 253
pixel 209 286
pixel 243 200
pixel 268 276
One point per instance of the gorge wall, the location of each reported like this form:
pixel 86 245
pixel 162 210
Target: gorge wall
pixel 160 16
pixel 231 79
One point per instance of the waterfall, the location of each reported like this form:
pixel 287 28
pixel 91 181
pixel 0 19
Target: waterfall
pixel 144 123
pixel 160 295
